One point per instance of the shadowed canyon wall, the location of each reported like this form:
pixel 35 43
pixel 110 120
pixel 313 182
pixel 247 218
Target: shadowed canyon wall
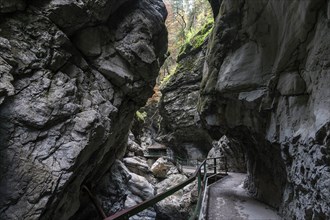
pixel 72 75
pixel 266 83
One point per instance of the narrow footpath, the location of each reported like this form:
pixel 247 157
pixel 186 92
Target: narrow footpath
pixel 228 200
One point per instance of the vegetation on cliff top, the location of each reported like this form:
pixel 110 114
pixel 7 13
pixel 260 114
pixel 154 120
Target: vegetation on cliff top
pixel 188 23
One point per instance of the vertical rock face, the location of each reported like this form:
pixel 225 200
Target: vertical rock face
pixel 233 152
pixel 72 74
pixel 178 104
pixel 266 82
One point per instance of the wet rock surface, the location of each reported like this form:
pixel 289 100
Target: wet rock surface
pixel 72 75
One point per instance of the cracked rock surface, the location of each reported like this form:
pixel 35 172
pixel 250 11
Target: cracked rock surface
pixel 72 74
pixel 266 83
pixel 180 122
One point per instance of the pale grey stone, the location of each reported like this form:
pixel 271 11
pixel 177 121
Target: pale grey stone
pixel 178 205
pixel 137 165
pixel 161 167
pixel 134 148
pixel 120 189
pixel 242 69
pixel 169 182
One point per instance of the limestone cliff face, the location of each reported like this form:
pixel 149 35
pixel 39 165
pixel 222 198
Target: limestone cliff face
pixel 266 82
pixel 72 74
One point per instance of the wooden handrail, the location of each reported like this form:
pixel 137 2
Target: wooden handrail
pixel 126 213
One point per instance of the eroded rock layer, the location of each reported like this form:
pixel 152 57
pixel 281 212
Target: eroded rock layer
pixel 72 74
pixel 266 82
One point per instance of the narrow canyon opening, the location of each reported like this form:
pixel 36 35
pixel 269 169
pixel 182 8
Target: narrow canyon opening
pixel 107 105
pixel 171 122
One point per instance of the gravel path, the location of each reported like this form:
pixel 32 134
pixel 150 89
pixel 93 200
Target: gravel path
pixel 228 200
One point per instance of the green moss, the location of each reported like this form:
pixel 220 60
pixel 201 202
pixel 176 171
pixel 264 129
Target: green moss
pixel 183 66
pixel 167 78
pixel 196 39
pixel 141 116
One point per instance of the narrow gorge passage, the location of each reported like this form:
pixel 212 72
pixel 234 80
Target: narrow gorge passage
pixel 114 97
pixel 256 90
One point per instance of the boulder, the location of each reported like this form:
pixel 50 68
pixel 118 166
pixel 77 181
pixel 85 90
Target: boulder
pixel 133 148
pixel 121 189
pixel 161 167
pixel 136 164
pixel 169 182
pixel 139 166
pixel 180 204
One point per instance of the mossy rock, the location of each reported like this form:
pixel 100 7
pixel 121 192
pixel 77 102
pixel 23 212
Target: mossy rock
pixel 141 116
pixel 196 41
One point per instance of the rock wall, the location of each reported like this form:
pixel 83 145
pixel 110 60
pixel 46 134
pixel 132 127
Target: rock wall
pixel 180 122
pixel 233 153
pixel 72 75
pixel 266 83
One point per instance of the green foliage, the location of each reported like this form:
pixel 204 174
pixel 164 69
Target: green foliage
pixel 167 78
pixel 141 116
pixel 186 18
pixel 197 39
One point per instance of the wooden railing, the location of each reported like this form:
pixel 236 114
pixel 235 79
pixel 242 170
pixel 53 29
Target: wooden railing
pixel 201 174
